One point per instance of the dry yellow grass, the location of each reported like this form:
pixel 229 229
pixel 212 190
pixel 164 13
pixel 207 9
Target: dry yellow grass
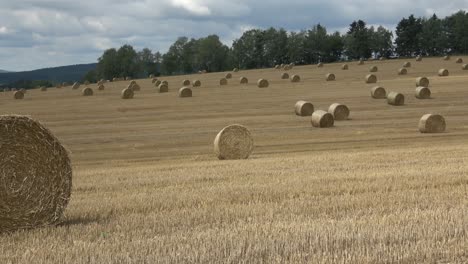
pixel 148 189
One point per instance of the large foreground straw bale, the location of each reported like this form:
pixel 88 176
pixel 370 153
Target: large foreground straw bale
pixel 339 111
pixel 243 80
pixel 295 78
pixel 422 92
pixel 321 118
pixel 127 93
pixel 185 92
pixel 18 95
pixel 422 81
pixel 87 91
pixel 394 98
pixel 35 175
pixel 378 92
pixel 432 123
pixel 262 83
pixel 233 142
pixel 371 78
pixel 443 72
pixel 304 108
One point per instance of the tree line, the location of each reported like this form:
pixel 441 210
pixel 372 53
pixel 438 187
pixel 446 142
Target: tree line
pixel 258 48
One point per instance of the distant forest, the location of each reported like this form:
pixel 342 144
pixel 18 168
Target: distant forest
pixel 263 48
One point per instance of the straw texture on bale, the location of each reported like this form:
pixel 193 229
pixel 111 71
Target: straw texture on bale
pixel 447 57
pixel 228 76
pixel 432 123
pixel 371 78
pixel 443 72
pixel 154 80
pixel 186 82
pixel 87 91
pixel 101 87
pixel 330 77
pixel 339 111
pixel 185 92
pixel 233 142
pixel 196 83
pixel 165 82
pixel 465 67
pixel 133 82
pixel 127 93
pixel 394 98
pixel 378 92
pixel 157 83
pixel 295 78
pixel 422 81
pixel 223 81
pixel 322 119
pixel 407 64
pixel 304 108
pixel 344 67
pixel 162 88
pixel 286 68
pixel 284 76
pixel 459 60
pixel 291 65
pixel 135 87
pixel 262 83
pixel 36 175
pixel 320 65
pixel 422 92
pixel 243 80
pixel 373 69
pixel 402 71
pixel 18 95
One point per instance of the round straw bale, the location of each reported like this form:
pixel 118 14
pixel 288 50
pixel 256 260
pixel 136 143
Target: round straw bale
pixel 127 93
pixel 196 83
pixel 133 82
pixel 157 83
pixel 101 87
pixel 378 92
pixel 87 91
pixel 286 68
pixel 228 76
pixel 223 81
pixel 18 95
pixel 165 82
pixel 361 62
pixel 163 88
pixel 233 142
pixel 277 67
pixel 285 75
pixel 135 87
pixel 344 67
pixel 330 77
pixel 443 72
pixel 262 83
pixel 186 83
pixel 447 57
pixel 185 92
pixel 422 81
pixel 407 64
pixel 304 108
pixel 371 78
pixel 339 111
pixel 373 69
pixel 465 67
pixel 320 64
pixel 422 92
pixel 321 118
pixel 154 80
pixel 235 70
pixel 36 175
pixel 295 78
pixel 432 123
pixel 281 65
pixel 43 89
pixel 459 60
pixel 243 80
pixel 291 65
pixel 402 71
pixel 394 98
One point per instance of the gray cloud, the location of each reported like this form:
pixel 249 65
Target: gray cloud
pixel 47 33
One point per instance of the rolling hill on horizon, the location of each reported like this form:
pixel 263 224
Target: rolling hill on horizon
pixel 68 73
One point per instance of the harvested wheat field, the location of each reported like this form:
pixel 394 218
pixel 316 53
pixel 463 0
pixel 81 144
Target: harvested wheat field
pixel 148 187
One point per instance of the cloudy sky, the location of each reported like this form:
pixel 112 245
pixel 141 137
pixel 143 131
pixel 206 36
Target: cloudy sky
pixel 47 33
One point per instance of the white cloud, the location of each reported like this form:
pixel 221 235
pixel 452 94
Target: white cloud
pixel 193 6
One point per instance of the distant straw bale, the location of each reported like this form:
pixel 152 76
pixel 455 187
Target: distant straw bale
pixel 402 71
pixel 322 119
pixel 378 92
pixel 223 81
pixel 127 93
pixel 284 75
pixel 330 77
pixel 443 72
pixel 196 83
pixel 394 98
pixel 422 92
pixel 18 95
pixel 87 91
pixel 432 123
pixel 262 83
pixel 304 108
pixel 295 78
pixel 243 80
pixel 185 92
pixel 422 81
pixel 371 78
pixel 339 111
pixel 344 67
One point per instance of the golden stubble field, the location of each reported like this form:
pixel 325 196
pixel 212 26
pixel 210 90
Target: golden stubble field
pixel 147 187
